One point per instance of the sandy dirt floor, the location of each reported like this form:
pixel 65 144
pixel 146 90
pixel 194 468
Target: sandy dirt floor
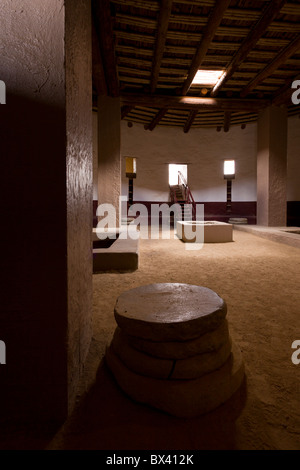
pixel 259 280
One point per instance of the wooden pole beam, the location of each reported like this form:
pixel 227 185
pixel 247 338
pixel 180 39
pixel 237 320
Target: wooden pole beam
pixel 227 118
pixel 161 36
pixel 279 60
pixel 104 29
pixel 191 102
pixel 125 111
pixel 190 120
pixel 207 37
pixel 156 119
pixel 271 10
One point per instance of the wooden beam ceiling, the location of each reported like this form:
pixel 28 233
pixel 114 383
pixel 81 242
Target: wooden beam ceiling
pixel 279 60
pixel 147 52
pixel 207 37
pixel 161 35
pixel 249 42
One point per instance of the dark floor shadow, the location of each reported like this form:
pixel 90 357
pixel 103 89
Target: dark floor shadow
pixel 107 419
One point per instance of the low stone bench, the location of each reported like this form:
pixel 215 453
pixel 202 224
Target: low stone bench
pixel 172 349
pixel 122 255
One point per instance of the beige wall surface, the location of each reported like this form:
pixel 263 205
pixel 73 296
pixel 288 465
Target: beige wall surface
pixel 204 150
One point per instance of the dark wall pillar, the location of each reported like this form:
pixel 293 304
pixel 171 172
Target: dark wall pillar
pixel 272 167
pixel 46 153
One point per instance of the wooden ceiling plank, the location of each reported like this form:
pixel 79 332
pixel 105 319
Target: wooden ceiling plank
pixel 279 60
pixel 103 26
pixel 191 102
pixel 161 36
pixel 249 42
pixel 207 37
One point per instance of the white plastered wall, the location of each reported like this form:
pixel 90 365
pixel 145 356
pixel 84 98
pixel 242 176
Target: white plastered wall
pixel 204 150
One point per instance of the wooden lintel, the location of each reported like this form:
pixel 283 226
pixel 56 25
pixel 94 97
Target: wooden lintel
pixel 207 37
pixel 271 10
pixel 227 118
pixel 191 102
pixel 279 60
pixel 156 119
pixel 103 26
pixel 161 36
pixel 190 120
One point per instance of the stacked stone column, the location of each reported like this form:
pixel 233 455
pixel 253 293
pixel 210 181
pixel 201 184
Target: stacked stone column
pixel 172 349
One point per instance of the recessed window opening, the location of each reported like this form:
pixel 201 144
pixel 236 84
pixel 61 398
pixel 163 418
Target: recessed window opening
pixel 229 167
pixel 174 173
pixel 207 77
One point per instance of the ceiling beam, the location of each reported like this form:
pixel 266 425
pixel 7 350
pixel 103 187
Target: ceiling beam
pixel 161 36
pixel 156 119
pixel 98 74
pixel 207 37
pixel 191 102
pixel 249 42
pixel 279 60
pixel 125 111
pixel 190 120
pixel 103 26
pixel 227 119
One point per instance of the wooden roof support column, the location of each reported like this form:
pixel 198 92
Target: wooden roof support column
pixel 163 23
pixel 207 37
pixel 249 42
pixel 103 26
pixel 190 120
pixel 227 118
pixel 156 119
pixel 280 59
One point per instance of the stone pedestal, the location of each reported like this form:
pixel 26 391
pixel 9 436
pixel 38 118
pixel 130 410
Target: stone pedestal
pixel 205 231
pixel 172 349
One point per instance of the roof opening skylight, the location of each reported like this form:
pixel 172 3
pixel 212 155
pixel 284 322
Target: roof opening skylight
pixel 207 77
